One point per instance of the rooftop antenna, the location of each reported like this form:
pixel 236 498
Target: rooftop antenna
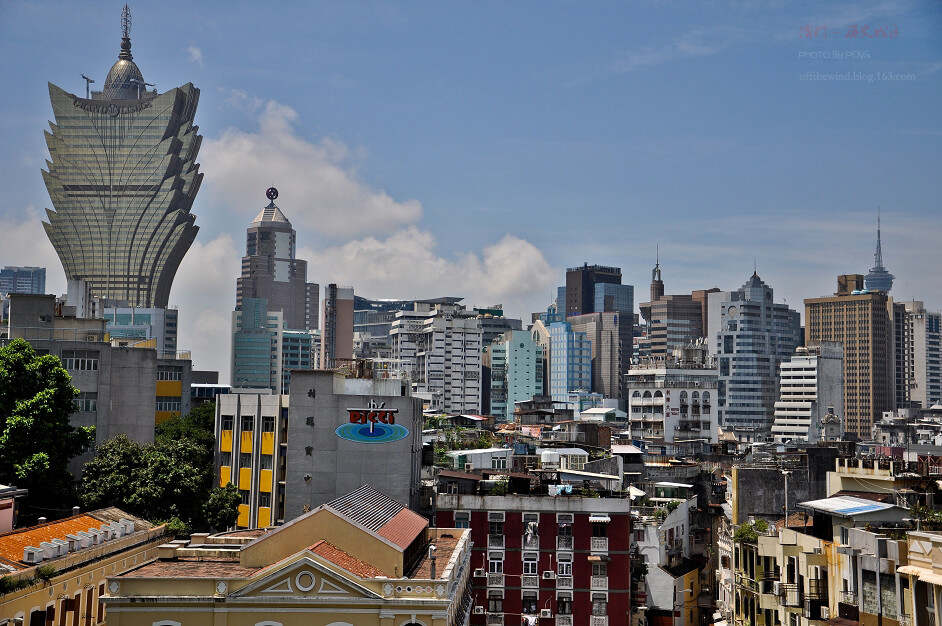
pixel 125 34
pixel 88 81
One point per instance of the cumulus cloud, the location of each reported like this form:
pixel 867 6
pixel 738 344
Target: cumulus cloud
pixel 196 55
pixel 325 194
pixel 512 272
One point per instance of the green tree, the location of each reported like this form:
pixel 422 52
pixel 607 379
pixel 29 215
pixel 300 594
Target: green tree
pixel 36 439
pixel 222 507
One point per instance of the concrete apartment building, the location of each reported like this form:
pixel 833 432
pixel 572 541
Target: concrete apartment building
pixel 131 325
pixel 810 389
pixel 755 335
pixel 610 336
pixel 337 336
pixel 862 321
pixel 918 354
pixel 516 372
pixel 673 321
pixel 438 345
pixel 257 342
pixel 674 399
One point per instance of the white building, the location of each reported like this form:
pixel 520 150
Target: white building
pixel 482 458
pixel 673 399
pixel 811 387
pixel 439 345
pixel 918 355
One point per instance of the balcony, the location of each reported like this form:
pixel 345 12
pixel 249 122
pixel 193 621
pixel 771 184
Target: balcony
pixel 495 541
pixel 599 583
pixel 564 582
pixel 495 619
pixel 599 544
pixel 564 620
pixel 563 542
pixel 495 580
pixel 533 543
pixel 529 581
pixel 847 607
pixel 817 589
pixel 792 596
pixel 598 620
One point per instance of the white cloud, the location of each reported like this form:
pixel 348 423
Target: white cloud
pixel 318 185
pixel 698 42
pixel 240 99
pixel 196 55
pixel 24 242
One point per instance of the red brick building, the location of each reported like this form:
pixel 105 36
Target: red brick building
pixel 550 561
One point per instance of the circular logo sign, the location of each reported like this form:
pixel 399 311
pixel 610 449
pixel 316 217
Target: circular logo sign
pixel 372 432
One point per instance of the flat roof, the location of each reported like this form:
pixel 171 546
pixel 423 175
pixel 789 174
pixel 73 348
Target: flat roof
pixel 589 474
pixel 667 484
pixel 846 506
pixel 626 449
pixel 477 451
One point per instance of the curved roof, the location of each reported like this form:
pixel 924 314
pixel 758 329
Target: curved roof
pixel 124 81
pixel 271 213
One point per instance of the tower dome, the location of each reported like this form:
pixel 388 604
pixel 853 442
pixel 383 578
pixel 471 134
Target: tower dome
pixel 124 80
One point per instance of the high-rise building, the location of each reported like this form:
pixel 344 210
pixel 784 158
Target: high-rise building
pixel 337 337
pixel 130 325
pixel 878 278
pixel 673 321
pixel 15 279
pixel 257 346
pixel 570 366
pixel 122 177
pixel 270 269
pixel 580 286
pixel 516 372
pixel 612 298
pixel 810 389
pixel 756 334
pixel 862 321
pixel 918 355
pixel 610 335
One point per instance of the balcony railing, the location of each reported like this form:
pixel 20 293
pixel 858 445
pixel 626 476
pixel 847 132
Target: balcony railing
pixel 564 620
pixel 848 597
pixel 495 580
pixel 529 581
pixel 532 544
pixel 564 582
pixel 817 589
pixel 495 541
pixel 495 619
pixel 599 544
pixel 792 595
pixel 598 620
pixel 599 583
pixel 564 542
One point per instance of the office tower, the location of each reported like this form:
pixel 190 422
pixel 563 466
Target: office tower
pixel 878 278
pixel 673 321
pixel 15 279
pixel 271 271
pixel 755 335
pixel 810 388
pixel 610 336
pixel 516 372
pixel 539 331
pixel 862 321
pixel 918 355
pixel 580 286
pixel 337 337
pixel 257 346
pixel 136 326
pixel 122 177
pixel 493 324
pixel 570 364
pixel 438 345
pixel 611 298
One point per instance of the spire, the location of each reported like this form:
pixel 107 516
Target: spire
pixel 878 253
pixel 657 285
pixel 878 279
pixel 126 34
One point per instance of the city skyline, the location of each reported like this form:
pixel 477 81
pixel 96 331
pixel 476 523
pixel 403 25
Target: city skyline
pixel 490 230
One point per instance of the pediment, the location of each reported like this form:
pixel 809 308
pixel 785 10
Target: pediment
pixel 305 578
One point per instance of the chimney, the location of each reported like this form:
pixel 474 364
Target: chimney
pixel 75 510
pixel 41 520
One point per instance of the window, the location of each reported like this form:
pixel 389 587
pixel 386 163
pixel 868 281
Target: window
pixel 462 519
pixel 248 423
pixel 170 372
pixel 600 529
pixel 530 563
pixel 495 562
pixel 265 462
pixel 268 423
pixel 225 459
pixel 495 528
pixel 599 604
pixel 169 403
pixel 530 602
pixel 564 604
pixel 86 401
pixel 600 569
pixel 226 422
pixel 80 360
pixel 245 459
pixel 244 495
pixel 495 601
pixel 264 499
pixel 564 566
pixel 498 462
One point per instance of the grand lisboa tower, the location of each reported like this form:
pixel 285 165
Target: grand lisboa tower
pixel 122 177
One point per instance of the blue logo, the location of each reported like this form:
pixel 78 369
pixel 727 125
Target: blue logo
pixel 374 424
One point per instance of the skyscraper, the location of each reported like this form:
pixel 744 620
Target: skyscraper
pixel 337 338
pixel 878 279
pixel 611 339
pixel 918 348
pixel 516 373
pixel 122 177
pixel 673 321
pixel 810 388
pixel 580 286
pixel 22 280
pixel 570 367
pixel 271 271
pixel 863 322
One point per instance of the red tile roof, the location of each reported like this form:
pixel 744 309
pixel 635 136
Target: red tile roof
pixel 444 548
pixel 402 528
pixel 12 543
pixel 348 562
pixel 195 568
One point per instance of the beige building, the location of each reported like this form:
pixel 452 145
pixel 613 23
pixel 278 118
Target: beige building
pixel 862 321
pixel 361 559
pixel 924 574
pixel 54 573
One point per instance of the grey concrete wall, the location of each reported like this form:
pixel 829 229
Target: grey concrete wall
pixel 336 466
pixel 761 492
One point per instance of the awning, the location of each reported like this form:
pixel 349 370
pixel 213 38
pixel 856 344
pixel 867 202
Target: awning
pixel 601 519
pixel 597 558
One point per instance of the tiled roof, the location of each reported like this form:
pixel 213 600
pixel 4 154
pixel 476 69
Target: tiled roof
pixel 350 563
pixel 182 568
pixel 403 528
pixel 12 543
pixel 367 507
pixel 444 548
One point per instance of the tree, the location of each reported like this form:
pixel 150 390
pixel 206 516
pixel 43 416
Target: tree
pixel 222 507
pixel 36 439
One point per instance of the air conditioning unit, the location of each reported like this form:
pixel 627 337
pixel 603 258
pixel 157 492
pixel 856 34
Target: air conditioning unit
pixel 546 613
pixel 825 613
pixel 479 572
pixel 479 610
pixel 776 588
pixel 549 575
pixel 468 467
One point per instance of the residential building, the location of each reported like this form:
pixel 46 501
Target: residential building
pixel 81 552
pixel 878 278
pixel 483 458
pixel 862 321
pixel 581 283
pixel 756 334
pixel 918 354
pixel 910 427
pixel 121 188
pixel 438 345
pixel 271 271
pixel 674 399
pixel 542 410
pixel 337 336
pixel 570 366
pixel 516 374
pixel 533 557
pixel 130 325
pixel 810 389
pixel 673 321
pixel 923 578
pixel 15 279
pixel 257 346
pixel 361 558
pixel 493 324
pixel 172 389
pixel 610 337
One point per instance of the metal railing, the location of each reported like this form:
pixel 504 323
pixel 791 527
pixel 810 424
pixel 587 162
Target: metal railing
pixel 495 541
pixel 599 544
pixel 563 542
pixel 599 583
pixel 529 581
pixel 792 595
pixel 495 580
pixel 817 589
pixel 494 619
pixel 564 620
pixel 598 620
pixel 564 582
pixel 847 597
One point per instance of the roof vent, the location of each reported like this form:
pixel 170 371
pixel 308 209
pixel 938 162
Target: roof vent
pixel 33 555
pixel 50 550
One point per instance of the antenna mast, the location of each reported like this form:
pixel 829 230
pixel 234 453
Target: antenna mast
pixel 126 22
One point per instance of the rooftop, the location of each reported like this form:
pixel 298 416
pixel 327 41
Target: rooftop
pixel 378 513
pixel 199 567
pixel 846 506
pixel 350 563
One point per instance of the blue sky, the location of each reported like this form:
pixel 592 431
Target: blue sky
pixel 509 140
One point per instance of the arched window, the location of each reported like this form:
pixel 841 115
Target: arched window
pixel 706 398
pixel 696 397
pixel 636 394
pixel 647 394
pixel 658 394
pixel 683 397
